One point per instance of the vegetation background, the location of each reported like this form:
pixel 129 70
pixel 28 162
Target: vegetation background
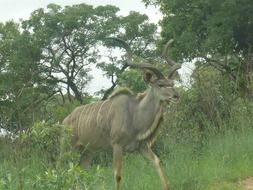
pixel 207 138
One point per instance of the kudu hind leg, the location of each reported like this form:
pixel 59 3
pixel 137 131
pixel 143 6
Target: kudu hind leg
pixel 117 161
pixel 151 156
pixel 85 160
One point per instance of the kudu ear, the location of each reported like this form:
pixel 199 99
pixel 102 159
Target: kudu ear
pixel 148 77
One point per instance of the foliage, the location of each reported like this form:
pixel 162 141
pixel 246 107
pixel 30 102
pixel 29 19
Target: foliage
pixel 209 101
pixel 224 159
pixel 45 60
pixel 46 138
pixel 22 86
pixel 133 79
pixel 136 30
pixel 55 109
pixel 72 177
pixel 211 26
pixel 68 39
pixel 219 32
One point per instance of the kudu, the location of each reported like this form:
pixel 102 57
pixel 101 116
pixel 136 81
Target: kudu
pixel 124 122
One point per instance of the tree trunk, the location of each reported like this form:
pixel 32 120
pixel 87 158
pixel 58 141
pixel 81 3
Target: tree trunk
pixel 108 91
pixel 74 88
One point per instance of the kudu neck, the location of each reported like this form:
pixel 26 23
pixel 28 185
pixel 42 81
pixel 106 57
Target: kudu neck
pixel 149 114
pixel 151 101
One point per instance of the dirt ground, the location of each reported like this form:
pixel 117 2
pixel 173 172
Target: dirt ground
pixel 247 183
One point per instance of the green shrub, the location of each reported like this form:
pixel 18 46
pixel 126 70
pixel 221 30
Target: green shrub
pixel 72 177
pixel 42 137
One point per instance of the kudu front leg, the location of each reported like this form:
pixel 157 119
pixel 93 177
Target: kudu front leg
pixel 151 156
pixel 117 161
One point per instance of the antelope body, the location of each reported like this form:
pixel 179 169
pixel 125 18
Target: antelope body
pixel 123 122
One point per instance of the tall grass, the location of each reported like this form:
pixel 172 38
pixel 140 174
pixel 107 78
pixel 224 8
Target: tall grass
pixel 219 162
pixel 223 161
pixel 226 157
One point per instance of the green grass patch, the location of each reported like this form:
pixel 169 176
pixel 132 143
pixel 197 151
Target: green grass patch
pixel 222 160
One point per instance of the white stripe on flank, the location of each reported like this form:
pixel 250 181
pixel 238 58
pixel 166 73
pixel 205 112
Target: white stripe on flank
pixel 92 114
pixel 89 114
pixel 109 112
pixel 79 119
pixel 98 114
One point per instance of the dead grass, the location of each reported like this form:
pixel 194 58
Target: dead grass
pixel 247 184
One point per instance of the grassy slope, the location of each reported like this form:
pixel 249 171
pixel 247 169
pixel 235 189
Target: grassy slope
pixel 223 160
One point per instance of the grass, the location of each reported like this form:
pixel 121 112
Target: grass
pixel 221 162
pixel 223 159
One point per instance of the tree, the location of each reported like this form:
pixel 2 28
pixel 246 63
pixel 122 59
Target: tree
pixel 22 85
pixel 49 55
pixel 141 35
pixel 68 38
pixel 217 32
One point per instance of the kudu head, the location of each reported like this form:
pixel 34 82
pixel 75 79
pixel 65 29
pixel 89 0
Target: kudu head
pixel 163 86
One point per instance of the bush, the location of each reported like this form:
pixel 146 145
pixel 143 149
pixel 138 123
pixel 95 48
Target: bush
pixel 71 178
pixel 44 138
pixel 209 107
